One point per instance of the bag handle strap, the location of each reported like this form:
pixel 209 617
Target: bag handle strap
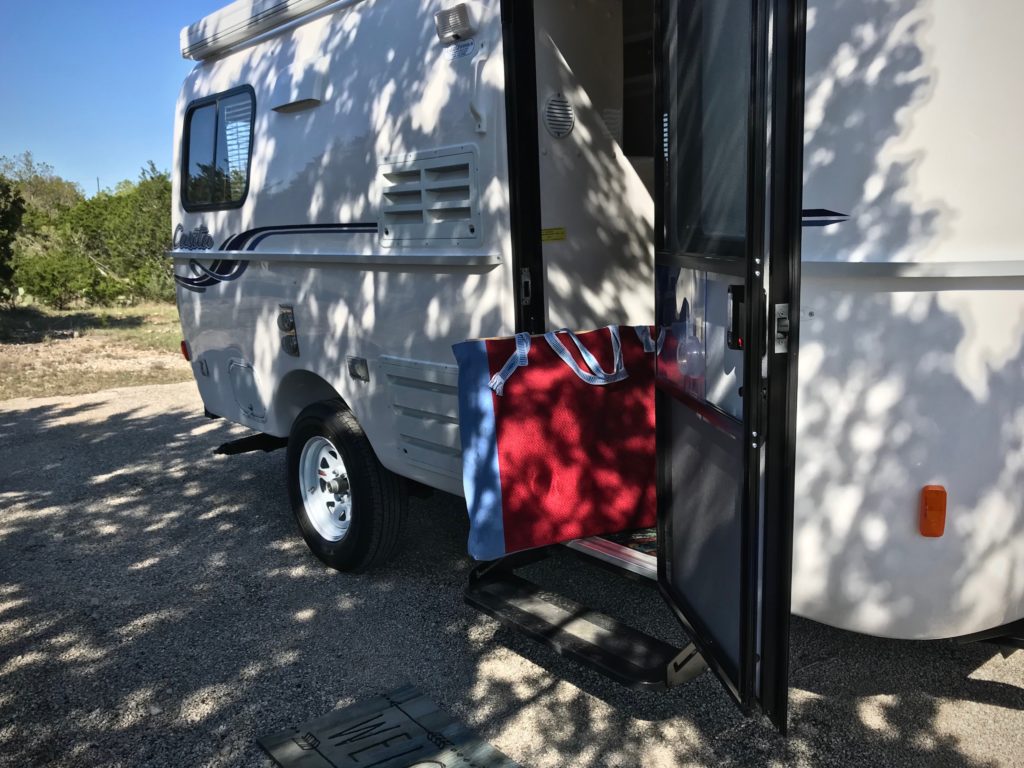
pixel 519 358
pixel 643 332
pixel 596 376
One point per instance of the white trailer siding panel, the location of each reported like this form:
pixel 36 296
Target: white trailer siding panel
pixel 912 346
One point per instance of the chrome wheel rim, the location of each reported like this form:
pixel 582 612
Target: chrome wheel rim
pixel 326 494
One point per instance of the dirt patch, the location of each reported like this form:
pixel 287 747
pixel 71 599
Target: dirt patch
pixel 75 366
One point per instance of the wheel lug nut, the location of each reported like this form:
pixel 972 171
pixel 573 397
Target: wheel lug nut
pixel 338 485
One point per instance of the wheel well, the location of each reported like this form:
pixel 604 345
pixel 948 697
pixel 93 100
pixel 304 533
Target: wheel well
pixel 298 390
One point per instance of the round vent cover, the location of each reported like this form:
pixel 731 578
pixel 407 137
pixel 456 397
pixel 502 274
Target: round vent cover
pixel 559 117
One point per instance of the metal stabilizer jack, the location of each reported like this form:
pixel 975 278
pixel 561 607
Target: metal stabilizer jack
pixel 621 652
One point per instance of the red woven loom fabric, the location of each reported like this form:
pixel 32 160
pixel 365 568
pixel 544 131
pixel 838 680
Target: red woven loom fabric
pixel 575 459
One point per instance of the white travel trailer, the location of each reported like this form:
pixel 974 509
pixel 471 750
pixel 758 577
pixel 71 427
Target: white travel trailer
pixel 359 184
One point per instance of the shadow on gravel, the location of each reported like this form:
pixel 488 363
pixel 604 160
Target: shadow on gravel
pixel 158 608
pixel 29 325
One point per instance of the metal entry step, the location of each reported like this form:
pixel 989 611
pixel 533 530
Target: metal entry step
pixel 617 650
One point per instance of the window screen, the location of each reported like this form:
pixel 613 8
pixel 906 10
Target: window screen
pixel 218 142
pixel 707 98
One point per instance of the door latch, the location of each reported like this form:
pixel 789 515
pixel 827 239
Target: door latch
pixel 526 287
pixel 781 329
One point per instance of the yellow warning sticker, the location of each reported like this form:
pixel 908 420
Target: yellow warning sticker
pixel 552 235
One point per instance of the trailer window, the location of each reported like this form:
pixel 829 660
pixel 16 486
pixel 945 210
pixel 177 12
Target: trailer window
pixel 218 150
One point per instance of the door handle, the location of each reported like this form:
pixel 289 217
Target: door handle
pixel 737 317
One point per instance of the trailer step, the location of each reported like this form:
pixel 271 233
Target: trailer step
pixel 617 650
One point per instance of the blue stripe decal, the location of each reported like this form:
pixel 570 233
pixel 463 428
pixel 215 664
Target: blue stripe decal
pixel 822 217
pixel 318 231
pixel 228 271
pixel 242 241
pixel 480 471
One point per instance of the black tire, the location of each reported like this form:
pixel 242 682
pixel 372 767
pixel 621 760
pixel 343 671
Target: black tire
pixel 378 498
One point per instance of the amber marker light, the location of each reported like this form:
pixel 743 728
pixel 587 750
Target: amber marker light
pixel 933 511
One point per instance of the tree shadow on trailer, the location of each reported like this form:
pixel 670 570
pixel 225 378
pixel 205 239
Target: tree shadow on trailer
pixel 926 375
pixel 364 94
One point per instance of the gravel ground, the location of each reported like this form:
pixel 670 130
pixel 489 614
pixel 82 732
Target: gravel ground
pixel 157 608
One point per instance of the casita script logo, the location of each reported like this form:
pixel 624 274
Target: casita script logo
pixel 199 239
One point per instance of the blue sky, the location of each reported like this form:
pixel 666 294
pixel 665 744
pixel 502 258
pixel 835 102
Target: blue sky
pixel 89 86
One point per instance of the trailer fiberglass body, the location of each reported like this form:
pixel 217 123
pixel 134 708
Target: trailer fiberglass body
pixel 361 184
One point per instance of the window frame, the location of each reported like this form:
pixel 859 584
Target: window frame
pixel 186 135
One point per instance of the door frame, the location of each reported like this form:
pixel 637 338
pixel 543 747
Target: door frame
pixel 519 44
pixel 784 280
pixel 773 229
pixel 767 684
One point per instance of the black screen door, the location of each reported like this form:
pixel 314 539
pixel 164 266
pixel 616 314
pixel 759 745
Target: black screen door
pixel 730 85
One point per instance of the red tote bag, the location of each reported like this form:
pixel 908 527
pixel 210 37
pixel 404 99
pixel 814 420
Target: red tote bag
pixel 557 437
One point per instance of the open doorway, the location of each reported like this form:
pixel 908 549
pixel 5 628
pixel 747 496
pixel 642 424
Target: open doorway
pixel 596 157
pixel 595 133
pixel 667 153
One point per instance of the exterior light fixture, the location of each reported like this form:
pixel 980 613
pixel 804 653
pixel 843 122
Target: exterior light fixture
pixel 454 24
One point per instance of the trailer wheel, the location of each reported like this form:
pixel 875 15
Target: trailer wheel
pixel 349 508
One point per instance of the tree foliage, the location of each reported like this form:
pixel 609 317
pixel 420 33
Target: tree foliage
pixel 47 196
pixel 100 250
pixel 12 211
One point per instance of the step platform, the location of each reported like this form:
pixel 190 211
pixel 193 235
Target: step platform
pixel 625 654
pixel 401 729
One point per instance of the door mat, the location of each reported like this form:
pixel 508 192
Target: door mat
pixel 401 729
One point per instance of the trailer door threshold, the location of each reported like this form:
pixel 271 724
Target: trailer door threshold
pixel 618 555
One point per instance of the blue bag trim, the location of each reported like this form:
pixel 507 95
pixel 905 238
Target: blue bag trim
pixel 481 476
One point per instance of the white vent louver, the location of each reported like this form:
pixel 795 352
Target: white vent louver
pixel 430 197
pixel 559 116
